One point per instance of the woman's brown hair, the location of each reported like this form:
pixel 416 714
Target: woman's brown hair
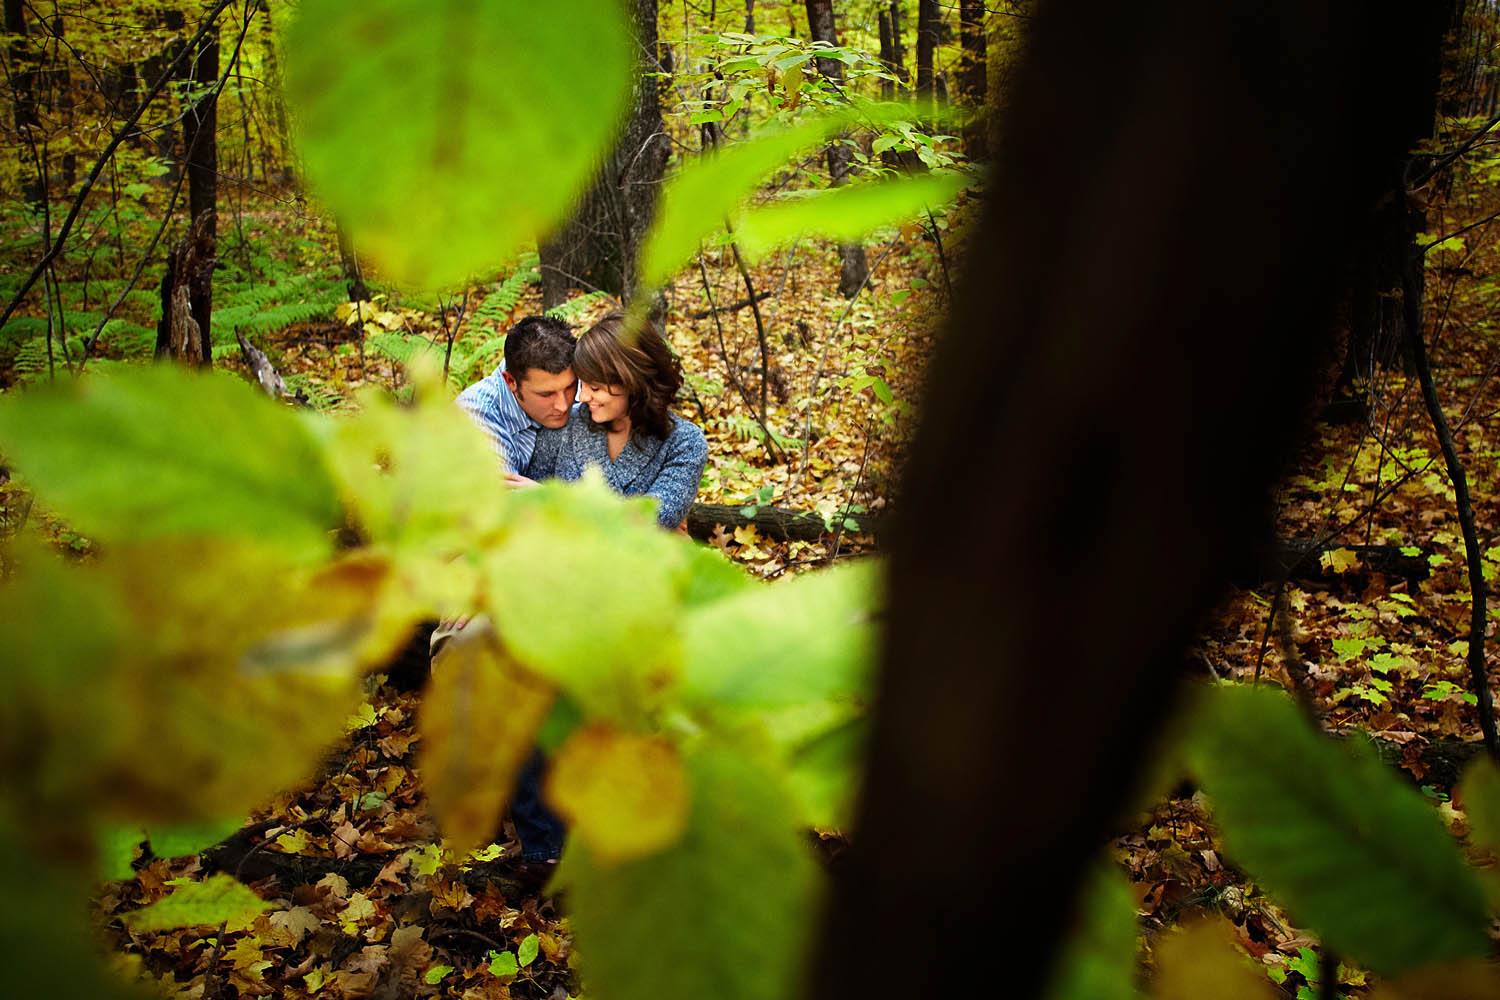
pixel 644 366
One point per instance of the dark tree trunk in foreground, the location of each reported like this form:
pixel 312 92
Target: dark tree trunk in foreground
pixel 597 247
pixel 853 268
pixel 1106 346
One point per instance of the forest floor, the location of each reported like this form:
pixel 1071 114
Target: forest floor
pixel 368 905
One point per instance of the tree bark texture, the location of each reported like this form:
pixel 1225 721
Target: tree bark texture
pixel 354 275
pixel 927 29
pixel 597 247
pixel 973 79
pixel 1079 293
pixel 23 81
pixel 1378 323
pixel 853 267
pixel 182 333
pixel 898 48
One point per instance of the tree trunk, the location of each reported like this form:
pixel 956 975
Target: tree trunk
pixel 973 80
pixel 354 276
pixel 1209 287
pixel 927 29
pixel 597 247
pixel 898 49
pixel 200 157
pixel 182 333
pixel 23 92
pixel 853 267
pixel 749 17
pixel 1377 324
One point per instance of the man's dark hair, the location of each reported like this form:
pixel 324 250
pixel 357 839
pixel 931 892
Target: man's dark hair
pixel 538 342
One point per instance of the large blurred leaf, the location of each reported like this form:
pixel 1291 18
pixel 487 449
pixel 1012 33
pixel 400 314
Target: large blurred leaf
pixel 46 944
pixel 214 900
pixel 1480 793
pixel 810 638
pixel 723 913
pixel 215 673
pixel 1202 961
pixel 585 591
pixel 625 795
pixel 160 450
pixel 846 213
pixel 1098 960
pixel 479 720
pixel 1351 849
pixel 700 198
pixel 446 134
pixel 117 845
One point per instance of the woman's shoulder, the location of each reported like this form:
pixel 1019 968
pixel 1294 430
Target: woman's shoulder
pixel 686 433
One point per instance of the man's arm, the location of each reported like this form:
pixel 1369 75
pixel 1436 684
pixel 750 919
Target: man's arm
pixel 482 402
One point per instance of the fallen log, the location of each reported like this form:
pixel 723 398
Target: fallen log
pixel 779 523
pixel 1311 560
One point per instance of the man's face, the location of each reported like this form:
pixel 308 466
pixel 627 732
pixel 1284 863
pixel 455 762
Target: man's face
pixel 544 397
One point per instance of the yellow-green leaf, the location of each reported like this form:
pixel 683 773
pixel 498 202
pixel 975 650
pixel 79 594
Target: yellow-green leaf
pixel 214 900
pixel 446 134
pixel 625 794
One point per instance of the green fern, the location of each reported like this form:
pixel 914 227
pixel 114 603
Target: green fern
pixel 396 347
pixel 30 363
pixel 575 309
pixel 506 295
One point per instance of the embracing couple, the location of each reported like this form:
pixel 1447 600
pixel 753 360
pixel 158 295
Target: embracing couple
pixel 621 423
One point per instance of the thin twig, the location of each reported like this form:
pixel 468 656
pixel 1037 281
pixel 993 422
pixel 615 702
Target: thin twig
pixel 812 392
pixel 1478 674
pixel 942 257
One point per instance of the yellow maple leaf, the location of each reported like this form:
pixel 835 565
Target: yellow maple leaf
pixel 1340 560
pixel 625 794
pixel 747 534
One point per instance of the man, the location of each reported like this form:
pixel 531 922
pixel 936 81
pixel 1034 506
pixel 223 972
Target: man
pixel 533 387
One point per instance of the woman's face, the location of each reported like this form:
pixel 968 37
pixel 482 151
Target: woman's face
pixel 606 403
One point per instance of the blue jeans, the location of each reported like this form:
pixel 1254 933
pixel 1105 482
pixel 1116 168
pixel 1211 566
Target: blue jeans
pixel 541 832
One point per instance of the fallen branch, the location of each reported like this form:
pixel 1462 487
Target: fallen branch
pixel 735 307
pixel 265 373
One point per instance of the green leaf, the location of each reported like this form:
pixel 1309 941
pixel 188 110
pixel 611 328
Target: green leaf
pixel 503 963
pixel 561 537
pixel 526 952
pixel 181 841
pixel 846 213
pixel 822 645
pixel 721 914
pixel 162 451
pixel 449 133
pixel 435 974
pixel 214 900
pixel 1098 960
pixel 1350 848
pixel 696 202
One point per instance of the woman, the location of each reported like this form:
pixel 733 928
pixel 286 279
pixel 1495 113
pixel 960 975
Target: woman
pixel 623 423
